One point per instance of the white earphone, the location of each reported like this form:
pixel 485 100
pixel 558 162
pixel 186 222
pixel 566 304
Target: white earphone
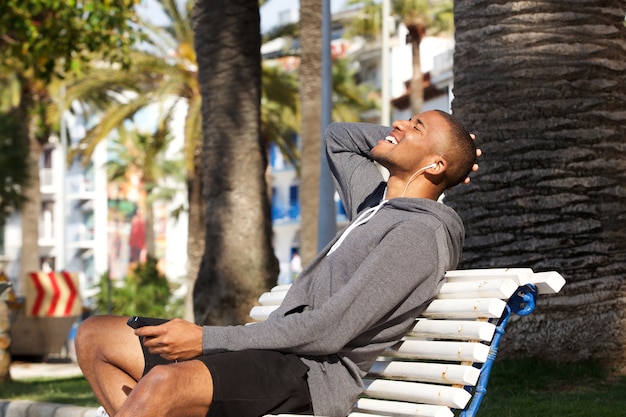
pixel 433 165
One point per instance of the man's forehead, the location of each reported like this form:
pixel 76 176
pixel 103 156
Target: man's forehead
pixel 426 117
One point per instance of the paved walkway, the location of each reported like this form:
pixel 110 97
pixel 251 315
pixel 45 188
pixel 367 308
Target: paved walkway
pixel 23 408
pixel 25 370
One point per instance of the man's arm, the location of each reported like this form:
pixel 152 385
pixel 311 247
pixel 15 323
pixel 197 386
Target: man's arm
pixel 348 148
pixel 382 284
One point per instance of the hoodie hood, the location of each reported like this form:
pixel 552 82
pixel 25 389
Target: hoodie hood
pixel 449 219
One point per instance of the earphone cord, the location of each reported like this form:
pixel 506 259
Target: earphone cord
pixel 406 187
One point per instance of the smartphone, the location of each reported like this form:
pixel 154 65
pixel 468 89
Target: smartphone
pixel 137 321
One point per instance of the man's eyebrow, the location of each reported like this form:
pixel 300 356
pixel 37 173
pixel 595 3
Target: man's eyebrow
pixel 417 121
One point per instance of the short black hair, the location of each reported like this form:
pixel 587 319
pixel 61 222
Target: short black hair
pixel 460 153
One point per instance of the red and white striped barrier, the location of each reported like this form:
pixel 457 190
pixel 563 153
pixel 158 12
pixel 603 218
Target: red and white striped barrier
pixel 52 294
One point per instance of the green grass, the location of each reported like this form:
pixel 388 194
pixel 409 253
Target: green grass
pixel 529 388
pixel 74 390
pixel 519 388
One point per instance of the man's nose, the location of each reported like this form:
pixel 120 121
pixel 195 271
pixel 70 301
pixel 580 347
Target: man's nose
pixel 400 124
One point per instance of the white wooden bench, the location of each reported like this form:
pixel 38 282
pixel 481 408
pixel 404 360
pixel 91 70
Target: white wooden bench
pixel 443 363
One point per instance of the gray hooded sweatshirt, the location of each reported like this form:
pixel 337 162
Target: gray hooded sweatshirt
pixel 347 306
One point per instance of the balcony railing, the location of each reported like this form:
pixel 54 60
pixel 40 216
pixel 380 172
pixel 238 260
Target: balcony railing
pixel 46 177
pixel 285 214
pixel 79 184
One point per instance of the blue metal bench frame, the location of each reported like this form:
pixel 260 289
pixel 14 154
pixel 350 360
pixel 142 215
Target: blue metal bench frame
pixel 522 303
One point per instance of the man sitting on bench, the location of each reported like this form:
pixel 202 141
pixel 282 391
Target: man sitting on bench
pixel 359 296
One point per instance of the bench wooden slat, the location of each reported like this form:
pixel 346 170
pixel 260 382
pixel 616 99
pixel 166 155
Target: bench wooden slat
pixel 260 313
pixel 447 308
pixel 397 408
pixel 522 276
pixel 416 392
pixel 439 350
pixel 465 308
pixel 453 329
pixel 272 298
pixel 549 282
pixel 437 373
pixel 459 282
pixel 495 288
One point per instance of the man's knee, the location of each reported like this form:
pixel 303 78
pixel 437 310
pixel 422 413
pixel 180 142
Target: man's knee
pixel 95 333
pixel 163 380
pixel 85 333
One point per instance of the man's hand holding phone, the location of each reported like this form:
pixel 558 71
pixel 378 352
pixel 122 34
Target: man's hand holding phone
pixel 174 339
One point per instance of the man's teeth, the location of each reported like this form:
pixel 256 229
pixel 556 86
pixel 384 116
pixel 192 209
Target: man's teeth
pixel 391 140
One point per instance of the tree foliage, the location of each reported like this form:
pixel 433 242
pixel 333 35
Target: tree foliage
pixel 145 292
pixel 37 34
pixel 13 154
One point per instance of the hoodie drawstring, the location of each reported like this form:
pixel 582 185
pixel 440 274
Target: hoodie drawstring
pixel 363 218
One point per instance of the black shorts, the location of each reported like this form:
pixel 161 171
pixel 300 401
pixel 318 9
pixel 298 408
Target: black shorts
pixel 252 383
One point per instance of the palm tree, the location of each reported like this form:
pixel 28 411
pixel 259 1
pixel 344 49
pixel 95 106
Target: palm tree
pixel 280 111
pixel 30 98
pixel 13 157
pixel 163 72
pixel 544 88
pixel 40 42
pixel 144 153
pixel 421 18
pixel 238 262
pixel 310 81
pixel 166 71
pixel 348 101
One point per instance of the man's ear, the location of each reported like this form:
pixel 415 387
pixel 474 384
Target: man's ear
pixel 436 175
pixel 440 166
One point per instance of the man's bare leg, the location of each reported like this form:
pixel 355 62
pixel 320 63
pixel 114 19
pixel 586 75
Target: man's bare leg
pixel 182 389
pixel 110 356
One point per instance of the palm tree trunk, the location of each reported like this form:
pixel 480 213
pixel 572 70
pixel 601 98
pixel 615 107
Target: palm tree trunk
pixel 543 85
pixel 310 73
pixel 149 219
pixel 195 235
pixel 239 261
pixel 5 342
pixel 29 255
pixel 416 33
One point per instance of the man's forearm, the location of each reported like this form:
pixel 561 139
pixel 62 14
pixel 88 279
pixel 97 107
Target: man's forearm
pixel 348 148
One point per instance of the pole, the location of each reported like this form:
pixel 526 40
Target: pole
pixel 384 65
pixel 62 223
pixel 327 224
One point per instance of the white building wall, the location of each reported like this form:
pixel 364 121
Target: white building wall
pixel 100 255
